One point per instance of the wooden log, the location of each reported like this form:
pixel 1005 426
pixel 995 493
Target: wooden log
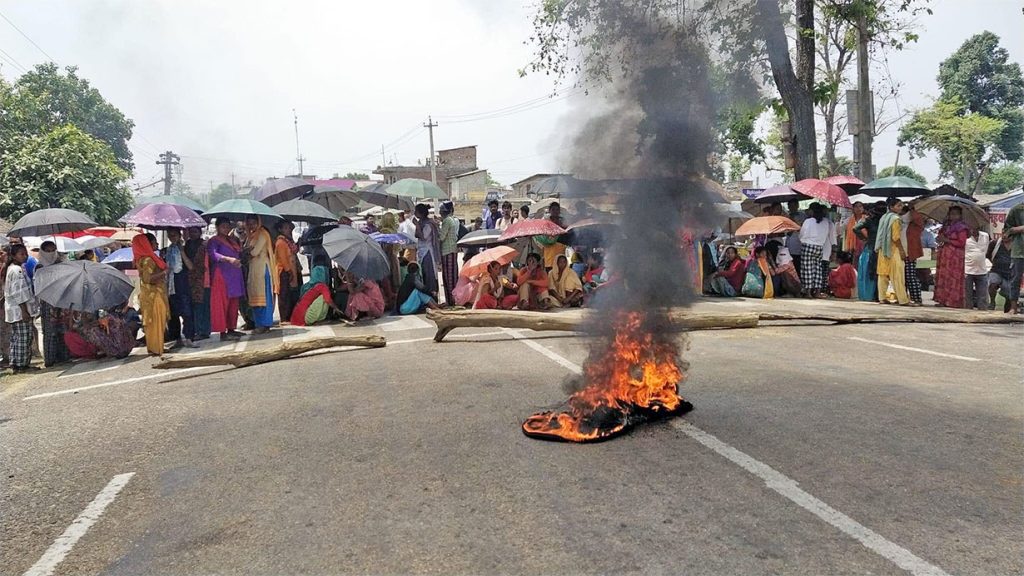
pixel 572 320
pixel 896 314
pixel 287 350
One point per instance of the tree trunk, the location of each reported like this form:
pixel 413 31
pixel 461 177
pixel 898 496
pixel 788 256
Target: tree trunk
pixel 250 358
pixel 796 98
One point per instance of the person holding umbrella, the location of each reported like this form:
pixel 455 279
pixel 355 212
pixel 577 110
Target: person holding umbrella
pixel 180 326
pixel 152 291
pixel 20 308
pixel 949 266
pixel 55 351
pixel 262 283
pixel 889 245
pixel 226 283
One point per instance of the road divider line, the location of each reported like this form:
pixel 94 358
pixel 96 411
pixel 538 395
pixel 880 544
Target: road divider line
pixel 60 548
pixel 780 483
pixel 159 374
pixel 919 350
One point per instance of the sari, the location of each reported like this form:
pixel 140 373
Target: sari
pixel 949 277
pixel 759 282
pixel 368 301
pixel 226 283
pixel 412 296
pixel 262 282
pixel 565 283
pixel 153 301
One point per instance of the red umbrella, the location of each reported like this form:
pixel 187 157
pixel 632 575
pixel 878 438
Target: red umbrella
pixel 531 227
pixel 479 263
pixel 849 184
pixel 823 191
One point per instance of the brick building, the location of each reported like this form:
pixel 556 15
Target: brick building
pixel 455 166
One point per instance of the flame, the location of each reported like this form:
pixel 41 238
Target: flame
pixel 636 379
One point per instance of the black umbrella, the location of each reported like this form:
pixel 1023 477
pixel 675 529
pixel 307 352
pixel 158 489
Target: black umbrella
pixel 82 285
pixel 333 198
pixel 305 211
pixel 49 221
pixel 280 189
pixel 386 200
pixel 356 252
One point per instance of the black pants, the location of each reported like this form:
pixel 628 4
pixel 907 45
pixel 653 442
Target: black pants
pixel 181 310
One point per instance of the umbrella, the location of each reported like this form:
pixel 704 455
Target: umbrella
pixel 481 238
pixel 849 184
pixel 315 235
pixel 158 216
pixel 780 193
pixel 280 189
pixel 531 227
pixel 304 211
pixel 936 208
pixel 386 200
pixel 82 285
pixel 479 263
pixel 399 239
pixel 239 208
pixel 333 198
pixel 822 191
pixel 537 209
pixel 125 235
pixel 356 252
pixel 894 186
pixel 416 188
pixel 66 245
pixel 121 259
pixel 172 199
pixel 51 221
pixel 767 225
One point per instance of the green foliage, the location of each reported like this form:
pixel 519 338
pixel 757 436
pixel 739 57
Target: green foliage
pixel 738 166
pixel 843 166
pixel 222 192
pixel 356 176
pixel 962 139
pixel 980 75
pixel 1001 179
pixel 63 168
pixel 45 98
pixel 492 182
pixel 905 171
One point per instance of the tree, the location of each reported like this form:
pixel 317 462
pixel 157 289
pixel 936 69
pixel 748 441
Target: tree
pixel 905 171
pixel 356 176
pixel 222 192
pixel 838 166
pixel 962 139
pixel 63 168
pixel 45 98
pixel 738 166
pixel 1001 179
pixel 491 182
pixel 980 75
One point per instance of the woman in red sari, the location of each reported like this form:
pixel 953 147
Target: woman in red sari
pixel 949 277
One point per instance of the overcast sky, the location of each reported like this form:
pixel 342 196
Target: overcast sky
pixel 216 82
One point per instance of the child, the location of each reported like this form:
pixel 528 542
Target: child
pixel 843 280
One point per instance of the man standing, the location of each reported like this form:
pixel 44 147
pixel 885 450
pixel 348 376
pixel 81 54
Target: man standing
pixel 976 271
pixel 1000 273
pixel 1014 227
pixel 449 250
pixel 491 215
pixel 20 309
pixel 179 325
pixel 506 219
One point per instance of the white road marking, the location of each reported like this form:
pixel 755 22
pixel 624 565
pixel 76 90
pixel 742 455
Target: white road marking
pixel 159 374
pixel 781 484
pixel 404 323
pixel 60 548
pixel 241 344
pixel 920 350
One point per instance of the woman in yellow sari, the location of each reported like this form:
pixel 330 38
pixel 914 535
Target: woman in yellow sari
pixel 152 291
pixel 262 282
pixel 564 285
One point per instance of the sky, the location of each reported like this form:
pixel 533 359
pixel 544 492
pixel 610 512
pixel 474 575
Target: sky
pixel 217 82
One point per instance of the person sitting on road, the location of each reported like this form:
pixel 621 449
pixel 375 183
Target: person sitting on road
pixel 413 297
pixel 365 299
pixel 760 279
pixel 842 281
pixel 564 285
pixel 728 279
pixel 533 285
pixel 490 293
pixel 595 275
pixel 314 299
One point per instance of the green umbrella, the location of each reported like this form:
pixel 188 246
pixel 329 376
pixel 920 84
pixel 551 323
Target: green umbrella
pixel 894 186
pixel 172 199
pixel 416 188
pixel 239 208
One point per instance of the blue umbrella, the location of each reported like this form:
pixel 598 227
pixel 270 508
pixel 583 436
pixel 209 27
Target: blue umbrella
pixel 122 259
pixel 400 239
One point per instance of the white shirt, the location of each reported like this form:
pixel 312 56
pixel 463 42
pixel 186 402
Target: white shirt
pixel 18 291
pixel 974 254
pixel 814 232
pixel 408 228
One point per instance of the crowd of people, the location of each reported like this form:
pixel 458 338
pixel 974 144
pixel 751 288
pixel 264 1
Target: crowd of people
pixel 872 255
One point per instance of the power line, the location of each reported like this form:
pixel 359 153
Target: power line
pixel 513 107
pixel 8 58
pixel 33 42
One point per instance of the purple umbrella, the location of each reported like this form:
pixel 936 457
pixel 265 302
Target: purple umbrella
pixel 400 239
pixel 780 193
pixel 163 216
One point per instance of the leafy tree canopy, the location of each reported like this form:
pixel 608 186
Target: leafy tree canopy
pixel 46 97
pixel 1001 179
pixel 63 168
pixel 962 139
pixel 905 171
pixel 222 192
pixel 356 176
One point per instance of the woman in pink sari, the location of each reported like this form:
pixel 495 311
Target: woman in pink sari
pixel 949 277
pixel 365 299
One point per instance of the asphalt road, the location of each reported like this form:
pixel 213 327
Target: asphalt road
pixel 811 450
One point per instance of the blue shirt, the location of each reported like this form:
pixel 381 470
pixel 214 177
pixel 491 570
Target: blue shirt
pixel 30 267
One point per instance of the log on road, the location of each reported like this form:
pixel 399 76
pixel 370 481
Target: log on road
pixel 572 320
pixel 883 313
pixel 287 350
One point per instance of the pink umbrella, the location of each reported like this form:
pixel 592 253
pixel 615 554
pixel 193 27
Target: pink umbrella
pixel 163 216
pixel 779 193
pixel 531 227
pixel 823 191
pixel 479 263
pixel 849 184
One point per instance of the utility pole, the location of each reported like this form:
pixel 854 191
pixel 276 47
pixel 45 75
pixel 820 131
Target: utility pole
pixel 298 154
pixel 168 159
pixel 430 125
pixel 865 104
